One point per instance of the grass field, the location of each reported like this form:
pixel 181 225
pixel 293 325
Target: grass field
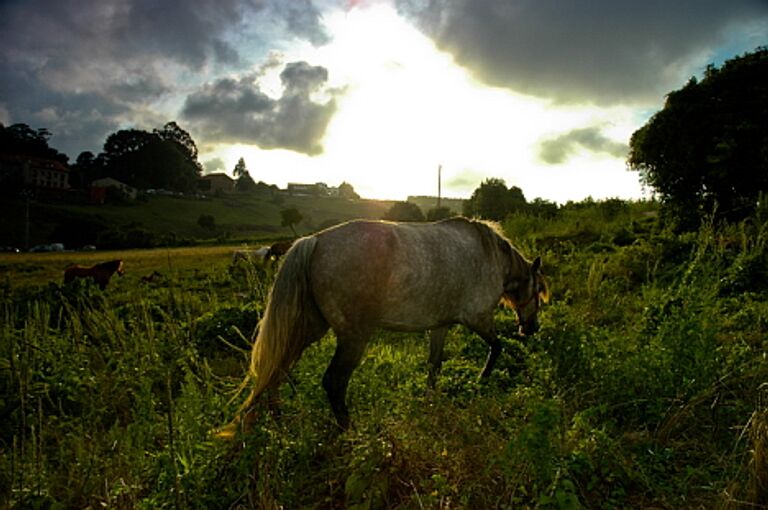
pixel 172 220
pixel 28 269
pixel 647 386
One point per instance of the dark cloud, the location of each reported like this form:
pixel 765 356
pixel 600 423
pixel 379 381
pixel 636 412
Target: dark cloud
pixel 597 51
pixel 555 151
pixel 78 120
pixel 302 19
pixel 238 111
pixel 88 67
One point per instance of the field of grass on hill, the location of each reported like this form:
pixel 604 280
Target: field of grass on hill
pixel 645 388
pixel 170 220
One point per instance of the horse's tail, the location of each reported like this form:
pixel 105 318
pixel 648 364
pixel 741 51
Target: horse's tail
pixel 290 323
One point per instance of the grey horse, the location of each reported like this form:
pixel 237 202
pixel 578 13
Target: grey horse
pixel 362 276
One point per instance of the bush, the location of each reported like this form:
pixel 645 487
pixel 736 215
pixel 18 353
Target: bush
pixel 404 211
pixel 207 221
pixel 219 330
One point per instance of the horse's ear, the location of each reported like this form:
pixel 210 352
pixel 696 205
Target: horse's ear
pixel 536 265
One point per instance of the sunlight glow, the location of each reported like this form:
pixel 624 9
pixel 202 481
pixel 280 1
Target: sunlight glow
pixel 407 108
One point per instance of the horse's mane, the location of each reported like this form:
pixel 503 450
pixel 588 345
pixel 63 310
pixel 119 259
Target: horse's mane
pixel 494 242
pixel 112 265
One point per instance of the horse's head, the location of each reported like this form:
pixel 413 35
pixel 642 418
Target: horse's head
pixel 525 293
pixel 120 269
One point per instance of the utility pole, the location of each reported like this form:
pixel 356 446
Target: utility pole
pixel 439 183
pixel 27 195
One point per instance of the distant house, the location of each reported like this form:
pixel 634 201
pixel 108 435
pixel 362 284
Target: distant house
pixel 319 189
pixel 212 183
pixel 37 172
pixel 98 191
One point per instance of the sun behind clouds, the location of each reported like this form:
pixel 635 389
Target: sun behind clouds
pixel 405 107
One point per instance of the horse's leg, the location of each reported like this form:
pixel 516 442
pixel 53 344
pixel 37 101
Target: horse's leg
pixel 487 331
pixel 493 354
pixel 349 352
pixel 436 344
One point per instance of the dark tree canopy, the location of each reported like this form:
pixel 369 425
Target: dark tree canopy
pixel 172 132
pixel 22 140
pixel 245 183
pixel 707 149
pixel 165 159
pixel 19 142
pixel 207 221
pixel 240 168
pixel 492 200
pixel 347 191
pixel 290 217
pixel 439 213
pixel 404 211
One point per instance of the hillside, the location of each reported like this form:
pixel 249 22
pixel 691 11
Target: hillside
pixel 168 220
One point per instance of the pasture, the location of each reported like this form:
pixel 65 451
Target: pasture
pixel 647 385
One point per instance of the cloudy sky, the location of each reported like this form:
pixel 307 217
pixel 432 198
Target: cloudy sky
pixel 542 93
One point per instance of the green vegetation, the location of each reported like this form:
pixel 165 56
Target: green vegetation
pixel 705 152
pixel 404 211
pixel 492 200
pixel 645 387
pixel 157 220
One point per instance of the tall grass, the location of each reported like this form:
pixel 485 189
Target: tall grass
pixel 645 387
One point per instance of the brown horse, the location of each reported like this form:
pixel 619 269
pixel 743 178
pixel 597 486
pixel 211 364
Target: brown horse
pixel 278 249
pixel 362 276
pixel 100 273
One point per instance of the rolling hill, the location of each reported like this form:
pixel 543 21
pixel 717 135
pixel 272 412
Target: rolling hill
pixel 170 220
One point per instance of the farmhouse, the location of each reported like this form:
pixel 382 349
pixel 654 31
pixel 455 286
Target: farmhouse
pixel 99 188
pixel 319 189
pixel 212 183
pixel 37 172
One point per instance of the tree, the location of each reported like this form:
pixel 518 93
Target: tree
pixel 244 181
pixel 347 191
pixel 493 201
pixel 207 221
pixel 86 169
pixel 707 149
pixel 164 159
pixel 404 211
pixel 172 132
pixel 439 213
pixel 240 169
pixel 22 140
pixel 542 208
pixel 291 217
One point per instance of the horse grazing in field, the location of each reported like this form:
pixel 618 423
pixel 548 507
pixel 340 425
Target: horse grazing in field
pixel 362 276
pixel 279 249
pixel 100 273
pixel 258 255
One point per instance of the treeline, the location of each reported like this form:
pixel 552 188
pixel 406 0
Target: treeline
pixel 492 200
pixel 706 152
pixel 704 155
pixel 163 158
